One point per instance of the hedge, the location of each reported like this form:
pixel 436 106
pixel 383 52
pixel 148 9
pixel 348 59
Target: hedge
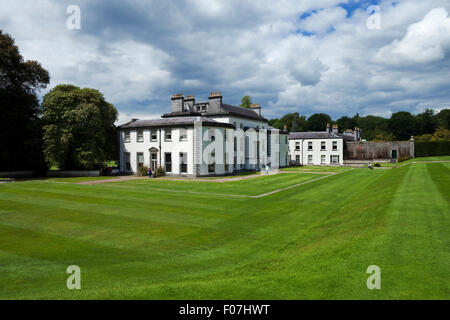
pixel 432 148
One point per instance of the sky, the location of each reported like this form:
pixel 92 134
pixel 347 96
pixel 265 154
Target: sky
pixel 290 56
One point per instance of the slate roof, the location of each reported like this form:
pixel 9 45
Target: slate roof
pixel 242 112
pixel 313 135
pixel 175 121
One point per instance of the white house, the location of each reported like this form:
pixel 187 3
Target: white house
pixel 204 138
pixel 316 148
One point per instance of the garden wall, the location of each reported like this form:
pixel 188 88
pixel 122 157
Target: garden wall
pixel 370 150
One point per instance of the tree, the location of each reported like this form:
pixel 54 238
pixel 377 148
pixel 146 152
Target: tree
pixel 426 122
pixel 372 126
pixel 402 125
pixel 20 131
pixel 79 131
pixel 443 118
pixel 318 122
pixel 246 101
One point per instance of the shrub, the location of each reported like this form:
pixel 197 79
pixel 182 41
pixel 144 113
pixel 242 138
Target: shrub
pixel 143 171
pixel 377 165
pixel 432 148
pixel 160 171
pixel 404 158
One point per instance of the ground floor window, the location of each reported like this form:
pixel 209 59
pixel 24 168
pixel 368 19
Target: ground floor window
pixel 168 161
pixel 334 159
pixel 127 162
pixel 211 167
pixel 183 162
pixel 322 159
pixel 297 159
pixel 310 161
pixel 140 160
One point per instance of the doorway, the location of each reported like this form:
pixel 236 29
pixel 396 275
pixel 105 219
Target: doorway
pixel 394 154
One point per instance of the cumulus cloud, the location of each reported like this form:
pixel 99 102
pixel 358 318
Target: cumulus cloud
pixel 426 41
pixel 289 55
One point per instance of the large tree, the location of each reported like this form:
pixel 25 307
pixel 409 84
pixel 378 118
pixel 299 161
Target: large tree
pixel 444 119
pixel 402 125
pixel 79 131
pixel 318 121
pixel 426 122
pixel 20 129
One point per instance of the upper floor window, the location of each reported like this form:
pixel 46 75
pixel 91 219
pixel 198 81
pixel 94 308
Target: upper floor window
pixel 297 146
pixel 310 145
pixel 241 125
pixel 168 134
pixel 183 134
pixel 211 134
pixel 322 145
pixel 334 145
pixel 153 136
pixel 127 136
pixel 234 124
pixel 140 136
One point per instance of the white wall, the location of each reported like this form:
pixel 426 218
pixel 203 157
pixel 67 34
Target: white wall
pixel 316 152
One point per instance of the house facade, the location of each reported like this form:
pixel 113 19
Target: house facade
pixel 316 148
pixel 201 139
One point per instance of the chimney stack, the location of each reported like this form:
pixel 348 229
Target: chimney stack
pixel 215 102
pixel 177 102
pixel 285 127
pixel 328 128
pixel 256 107
pixel 335 128
pixel 189 103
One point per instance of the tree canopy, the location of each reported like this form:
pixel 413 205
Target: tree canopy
pixel 79 131
pixel 318 121
pixel 20 132
pixel 246 101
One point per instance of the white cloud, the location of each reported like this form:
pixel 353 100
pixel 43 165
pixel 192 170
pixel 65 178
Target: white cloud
pixel 426 41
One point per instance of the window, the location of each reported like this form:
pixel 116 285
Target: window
pixel 183 162
pixel 127 162
pixel 225 162
pixel 127 136
pixel 168 161
pixel 235 144
pixel 140 136
pixel 322 145
pixel 334 159
pixel 153 136
pixel 140 160
pixel 322 159
pixel 211 134
pixel 310 146
pixel 286 139
pixel 183 134
pixel 297 146
pixel 297 159
pixel 310 159
pixel 334 145
pixel 241 125
pixel 234 124
pixel 168 134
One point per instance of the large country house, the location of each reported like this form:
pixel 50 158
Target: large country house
pixel 180 141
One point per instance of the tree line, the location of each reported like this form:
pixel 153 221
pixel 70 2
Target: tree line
pixel 73 128
pixel 428 125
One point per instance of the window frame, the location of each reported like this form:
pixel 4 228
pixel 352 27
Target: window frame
pixel 167 131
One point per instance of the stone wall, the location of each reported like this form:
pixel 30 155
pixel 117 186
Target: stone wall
pixel 369 150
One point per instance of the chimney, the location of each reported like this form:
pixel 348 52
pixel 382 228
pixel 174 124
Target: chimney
pixel 215 102
pixel 328 128
pixel 177 102
pixel 256 107
pixel 189 103
pixel 285 127
pixel 357 134
pixel 335 128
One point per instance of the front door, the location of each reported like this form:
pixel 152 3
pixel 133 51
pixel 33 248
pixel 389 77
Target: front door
pixel 153 161
pixel 394 154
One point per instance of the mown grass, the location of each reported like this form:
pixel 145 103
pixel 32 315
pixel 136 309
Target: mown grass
pixel 315 168
pixel 136 240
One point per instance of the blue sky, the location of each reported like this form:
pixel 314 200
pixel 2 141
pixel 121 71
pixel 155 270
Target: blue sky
pixel 290 56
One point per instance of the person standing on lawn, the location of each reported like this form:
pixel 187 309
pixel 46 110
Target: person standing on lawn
pixel 149 172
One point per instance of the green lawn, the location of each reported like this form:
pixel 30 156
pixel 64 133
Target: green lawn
pixel 136 240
